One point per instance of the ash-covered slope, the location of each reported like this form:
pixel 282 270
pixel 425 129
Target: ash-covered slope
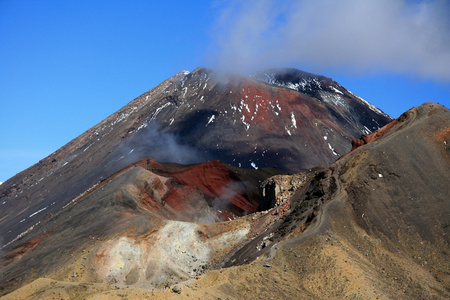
pixel 378 218
pixel 189 118
pixel 139 204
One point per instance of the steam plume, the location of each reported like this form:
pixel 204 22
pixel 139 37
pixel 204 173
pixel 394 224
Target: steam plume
pixel 150 142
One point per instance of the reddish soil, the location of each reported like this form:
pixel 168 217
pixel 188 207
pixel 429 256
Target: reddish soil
pixel 259 100
pixel 443 135
pixel 213 178
pixel 23 249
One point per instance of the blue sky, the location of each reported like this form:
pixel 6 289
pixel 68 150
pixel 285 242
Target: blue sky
pixel 67 65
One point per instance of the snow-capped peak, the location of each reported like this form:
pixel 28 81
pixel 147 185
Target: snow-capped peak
pixel 290 78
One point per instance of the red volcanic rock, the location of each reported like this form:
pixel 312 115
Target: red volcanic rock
pixel 443 135
pixel 224 187
pixel 182 192
pixel 358 143
pixel 372 137
pixel 216 180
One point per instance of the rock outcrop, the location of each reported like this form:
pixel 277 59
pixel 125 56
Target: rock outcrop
pixel 279 188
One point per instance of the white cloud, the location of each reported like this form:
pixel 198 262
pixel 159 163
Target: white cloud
pixel 355 35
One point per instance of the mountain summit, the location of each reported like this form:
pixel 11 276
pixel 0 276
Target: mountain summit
pixel 247 122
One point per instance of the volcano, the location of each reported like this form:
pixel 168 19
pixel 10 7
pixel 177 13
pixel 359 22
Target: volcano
pixel 107 222
pixel 195 117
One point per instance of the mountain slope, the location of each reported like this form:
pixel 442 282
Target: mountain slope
pixel 192 117
pixel 142 200
pixel 378 218
pixel 248 123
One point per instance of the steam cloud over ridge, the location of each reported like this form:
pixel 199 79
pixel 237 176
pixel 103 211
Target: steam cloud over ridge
pixel 162 146
pixel 385 35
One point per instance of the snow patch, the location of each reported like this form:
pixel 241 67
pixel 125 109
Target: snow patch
pixel 333 98
pixel 35 213
pixel 287 130
pixel 294 122
pixel 247 125
pixel 366 130
pixel 332 149
pixel 306 84
pixel 246 107
pixel 211 120
pixel 143 125
pixel 278 106
pixel 158 110
pixel 336 90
